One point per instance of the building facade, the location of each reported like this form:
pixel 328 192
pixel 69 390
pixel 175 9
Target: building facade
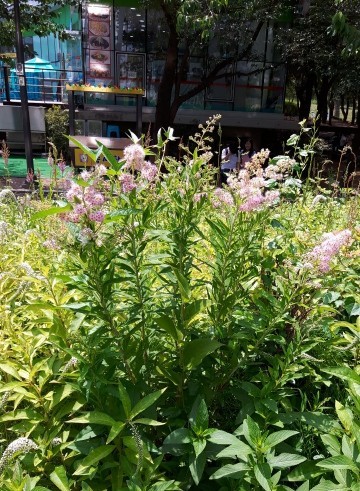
pixel 123 44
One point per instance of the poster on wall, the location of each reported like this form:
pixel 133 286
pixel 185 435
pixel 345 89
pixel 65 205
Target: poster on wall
pixel 99 59
pixel 131 70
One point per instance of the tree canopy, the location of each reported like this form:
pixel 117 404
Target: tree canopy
pixel 223 31
pixel 37 17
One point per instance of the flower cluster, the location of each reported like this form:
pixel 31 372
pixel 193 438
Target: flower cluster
pixel 18 446
pixel 136 165
pixel 29 271
pixel 321 255
pixel 255 166
pixel 5 230
pixel 51 244
pixel 251 190
pixel 88 200
pixel 56 441
pixel 4 399
pixel 72 363
pixel 7 195
pixel 221 196
pixel 281 169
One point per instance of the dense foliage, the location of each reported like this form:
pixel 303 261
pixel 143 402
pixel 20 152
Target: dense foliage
pixel 161 333
pixel 37 17
pixel 313 46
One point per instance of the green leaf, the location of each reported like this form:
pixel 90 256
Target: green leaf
pixel 94 417
pixel 306 470
pixel 331 443
pixel 199 416
pixel 86 150
pixel 177 443
pixel 252 432
pixel 183 285
pixel 329 486
pixel 181 435
pixel 278 437
pixel 262 474
pixel 221 437
pixel 162 486
pixel 148 422
pixel 199 446
pixel 239 450
pixel 115 430
pixel 167 324
pixel 146 402
pixel 93 458
pixel 51 211
pixel 285 460
pixel 339 462
pixel 125 399
pixel 344 373
pixel 345 415
pixel 109 156
pixel 59 478
pixel 197 466
pixel 234 471
pixel 195 351
pixel 320 421
pixel 9 369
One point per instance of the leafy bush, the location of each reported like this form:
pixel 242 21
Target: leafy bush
pixel 159 333
pixel 57 127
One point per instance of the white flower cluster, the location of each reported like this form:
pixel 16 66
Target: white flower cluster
pixel 30 272
pixel 56 441
pixel 18 446
pixel 281 169
pixel 4 399
pixel 6 195
pixel 70 364
pixel 5 229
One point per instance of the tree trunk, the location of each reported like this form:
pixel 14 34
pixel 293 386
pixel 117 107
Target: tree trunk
pixel 162 113
pixel 304 92
pixel 322 99
pixel 344 108
pixel 353 116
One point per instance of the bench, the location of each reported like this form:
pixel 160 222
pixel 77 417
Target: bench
pixel 115 145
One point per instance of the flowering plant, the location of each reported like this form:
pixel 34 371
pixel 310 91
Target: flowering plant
pixel 161 332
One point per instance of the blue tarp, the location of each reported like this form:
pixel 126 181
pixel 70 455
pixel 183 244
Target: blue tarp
pixel 39 74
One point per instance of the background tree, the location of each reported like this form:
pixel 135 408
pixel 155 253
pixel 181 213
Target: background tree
pixel 223 31
pixel 37 17
pixel 314 53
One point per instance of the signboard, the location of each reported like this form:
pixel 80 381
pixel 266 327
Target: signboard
pixel 19 69
pixel 82 160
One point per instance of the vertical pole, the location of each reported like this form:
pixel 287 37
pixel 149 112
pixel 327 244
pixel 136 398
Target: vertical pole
pixel 139 114
pixel 23 90
pixel 71 103
pixel 6 80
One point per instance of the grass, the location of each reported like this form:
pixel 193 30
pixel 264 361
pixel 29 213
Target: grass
pixel 17 167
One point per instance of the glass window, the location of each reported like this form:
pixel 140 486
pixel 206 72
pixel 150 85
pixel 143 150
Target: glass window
pixel 130 27
pixel 222 89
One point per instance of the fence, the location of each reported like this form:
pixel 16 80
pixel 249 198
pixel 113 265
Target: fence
pixel 42 85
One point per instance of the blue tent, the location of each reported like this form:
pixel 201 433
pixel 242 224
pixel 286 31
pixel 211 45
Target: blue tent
pixel 39 74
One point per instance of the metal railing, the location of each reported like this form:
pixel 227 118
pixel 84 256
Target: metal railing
pixel 42 85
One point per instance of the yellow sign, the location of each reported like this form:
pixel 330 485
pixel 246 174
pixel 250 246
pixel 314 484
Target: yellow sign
pixel 7 55
pixel 82 160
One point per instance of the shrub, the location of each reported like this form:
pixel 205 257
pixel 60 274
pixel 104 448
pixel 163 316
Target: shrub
pixel 162 334
pixel 57 127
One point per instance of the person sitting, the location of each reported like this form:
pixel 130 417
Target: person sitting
pixel 230 163
pixel 247 152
